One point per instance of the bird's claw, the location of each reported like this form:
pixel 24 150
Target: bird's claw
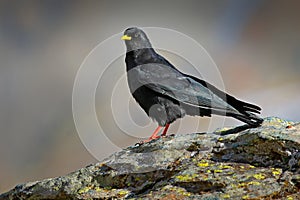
pixel 149 139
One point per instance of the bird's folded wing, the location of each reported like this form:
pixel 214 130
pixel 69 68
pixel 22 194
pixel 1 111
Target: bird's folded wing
pixel 241 106
pixel 170 82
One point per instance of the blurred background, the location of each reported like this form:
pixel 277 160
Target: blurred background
pixel 255 45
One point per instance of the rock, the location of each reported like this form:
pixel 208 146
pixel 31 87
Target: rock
pixel 237 163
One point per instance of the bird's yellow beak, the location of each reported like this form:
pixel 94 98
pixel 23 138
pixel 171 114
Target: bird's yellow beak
pixel 125 37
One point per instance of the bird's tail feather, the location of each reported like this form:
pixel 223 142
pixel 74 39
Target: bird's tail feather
pixel 250 119
pixel 246 116
pixel 242 106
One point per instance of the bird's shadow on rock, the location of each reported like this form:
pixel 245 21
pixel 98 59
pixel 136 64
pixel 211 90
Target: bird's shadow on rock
pixel 235 130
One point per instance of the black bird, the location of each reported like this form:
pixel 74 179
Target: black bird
pixel 167 94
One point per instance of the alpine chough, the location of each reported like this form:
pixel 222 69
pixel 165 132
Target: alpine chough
pixel 167 94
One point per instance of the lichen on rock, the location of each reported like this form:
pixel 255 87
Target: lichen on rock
pixel 232 163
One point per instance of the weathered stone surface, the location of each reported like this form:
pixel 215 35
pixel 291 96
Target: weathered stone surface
pixel 254 163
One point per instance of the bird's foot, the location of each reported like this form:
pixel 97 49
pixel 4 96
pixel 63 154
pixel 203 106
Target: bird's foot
pixel 149 139
pixel 153 138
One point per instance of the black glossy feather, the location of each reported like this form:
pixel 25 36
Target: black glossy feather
pixel 167 94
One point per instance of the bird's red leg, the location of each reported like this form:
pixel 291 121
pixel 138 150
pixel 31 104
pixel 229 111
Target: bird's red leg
pixel 165 130
pixel 154 134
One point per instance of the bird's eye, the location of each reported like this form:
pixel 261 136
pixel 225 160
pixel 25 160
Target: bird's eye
pixel 136 35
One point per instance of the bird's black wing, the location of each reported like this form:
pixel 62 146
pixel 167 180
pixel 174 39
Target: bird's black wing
pixel 166 80
pixel 241 106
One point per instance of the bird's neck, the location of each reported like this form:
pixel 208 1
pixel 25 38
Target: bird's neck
pixel 139 57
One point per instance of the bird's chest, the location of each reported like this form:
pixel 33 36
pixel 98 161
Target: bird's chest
pixel 141 93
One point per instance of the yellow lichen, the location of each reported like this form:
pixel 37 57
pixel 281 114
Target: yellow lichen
pixel 186 177
pixel 203 164
pixel 246 197
pixel 178 190
pixel 290 198
pixel 56 188
pixel 226 196
pixel 254 183
pixel 84 190
pixel 97 189
pixel 184 193
pixel 259 176
pixel 123 192
pixel 276 172
pixel 245 184
pixel 223 129
pixel 225 167
pixel 218 170
pixel 241 185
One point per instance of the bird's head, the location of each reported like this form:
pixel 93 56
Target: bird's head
pixel 135 39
